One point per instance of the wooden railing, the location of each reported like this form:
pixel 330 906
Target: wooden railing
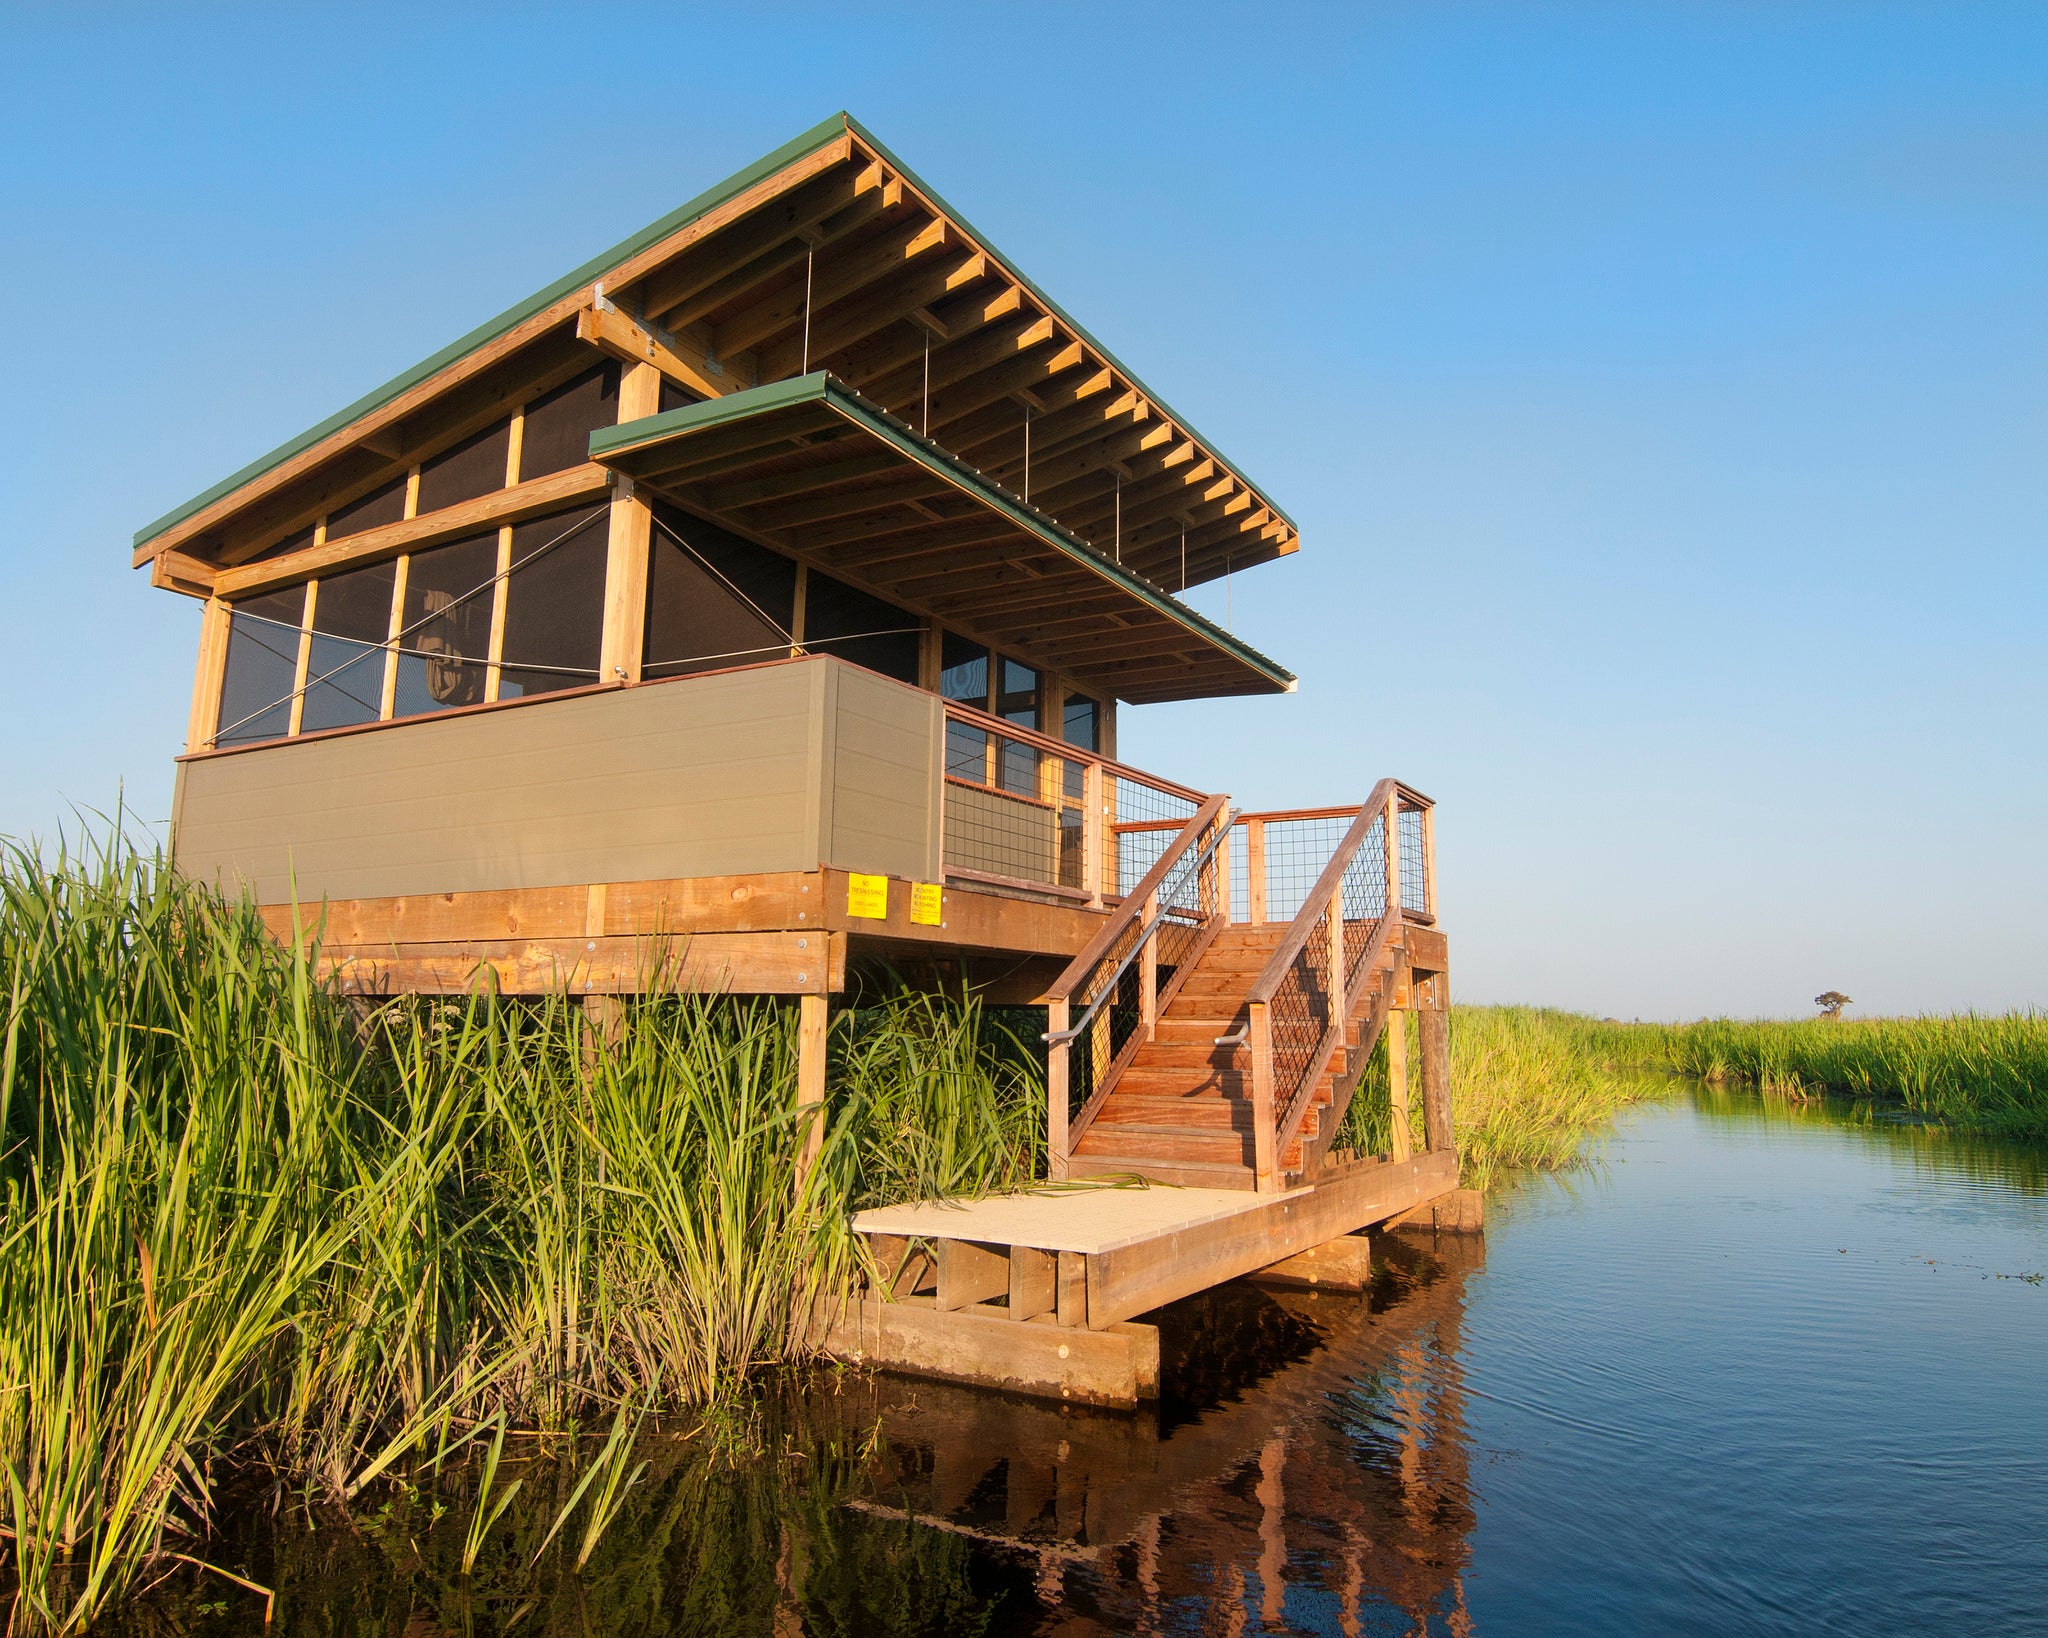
pixel 1025 810
pixel 1109 998
pixel 1318 978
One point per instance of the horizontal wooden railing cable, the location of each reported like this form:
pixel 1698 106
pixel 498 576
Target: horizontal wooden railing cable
pixel 1299 1008
pixel 1169 918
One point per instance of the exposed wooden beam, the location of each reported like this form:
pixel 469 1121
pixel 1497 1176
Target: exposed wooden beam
pixel 524 500
pixel 468 409
pixel 694 285
pixel 489 355
pixel 750 491
pixel 612 332
pixel 852 269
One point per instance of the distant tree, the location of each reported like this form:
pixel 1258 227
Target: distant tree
pixel 1831 1003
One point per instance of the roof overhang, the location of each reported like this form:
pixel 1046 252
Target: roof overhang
pixel 811 469
pixel 913 306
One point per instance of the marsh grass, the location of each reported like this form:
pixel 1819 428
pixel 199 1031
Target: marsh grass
pixel 245 1226
pixel 1973 1072
pixel 1529 1085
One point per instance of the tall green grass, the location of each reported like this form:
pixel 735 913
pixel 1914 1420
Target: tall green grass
pixel 1528 1086
pixel 1977 1073
pixel 244 1223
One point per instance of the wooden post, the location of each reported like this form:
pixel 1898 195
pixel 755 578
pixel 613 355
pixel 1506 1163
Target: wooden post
pixel 1056 1062
pixel 1429 860
pixel 1259 1038
pixel 393 628
pixel 1434 1021
pixel 1224 907
pixel 1148 972
pixel 1392 832
pixel 1255 869
pixel 632 529
pixel 500 591
pixel 813 1014
pixel 305 659
pixel 1333 923
pixel 1396 1032
pixel 1094 834
pixel 207 676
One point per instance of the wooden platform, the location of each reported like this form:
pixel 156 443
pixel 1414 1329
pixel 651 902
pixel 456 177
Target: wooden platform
pixel 1035 1292
pixel 1079 1219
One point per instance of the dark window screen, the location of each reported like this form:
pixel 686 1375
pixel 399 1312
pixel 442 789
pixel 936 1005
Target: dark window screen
pixel 382 505
pixel 554 603
pixel 838 619
pixel 474 467
pixel 675 397
pixel 445 644
pixel 1017 701
pixel 718 601
pixel 1080 724
pixel 291 543
pixel 263 664
pixel 558 427
pixel 963 676
pixel 963 671
pixel 345 670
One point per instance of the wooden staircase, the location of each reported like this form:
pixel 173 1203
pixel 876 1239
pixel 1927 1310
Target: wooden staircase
pixel 1182 1111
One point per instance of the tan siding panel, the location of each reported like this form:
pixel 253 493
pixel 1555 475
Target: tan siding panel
pixel 883 748
pixel 704 776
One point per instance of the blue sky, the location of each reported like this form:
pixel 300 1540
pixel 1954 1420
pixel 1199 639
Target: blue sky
pixel 1662 392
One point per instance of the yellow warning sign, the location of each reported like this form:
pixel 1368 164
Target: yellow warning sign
pixel 926 901
pixel 868 897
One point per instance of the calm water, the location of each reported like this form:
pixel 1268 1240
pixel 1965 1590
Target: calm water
pixel 1762 1369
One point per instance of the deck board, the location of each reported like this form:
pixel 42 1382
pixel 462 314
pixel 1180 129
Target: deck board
pixel 1092 1221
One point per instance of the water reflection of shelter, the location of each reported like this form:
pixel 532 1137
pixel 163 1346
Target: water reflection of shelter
pixel 1338 1476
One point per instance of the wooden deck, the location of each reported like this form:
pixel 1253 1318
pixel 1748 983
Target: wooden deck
pixel 1035 1292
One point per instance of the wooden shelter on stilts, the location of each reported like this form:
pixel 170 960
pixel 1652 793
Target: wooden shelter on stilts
pixel 756 601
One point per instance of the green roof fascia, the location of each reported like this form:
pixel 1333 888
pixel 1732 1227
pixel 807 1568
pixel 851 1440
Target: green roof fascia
pixel 820 387
pixel 491 329
pixel 1067 318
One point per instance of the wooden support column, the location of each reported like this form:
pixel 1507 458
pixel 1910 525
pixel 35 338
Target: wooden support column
pixel 1221 866
pixel 1094 834
pixel 632 527
pixel 1434 1022
pixel 1429 860
pixel 207 676
pixel 813 1015
pixel 1255 869
pixel 1148 974
pixel 1333 920
pixel 1399 1144
pixel 1058 1056
pixel 1265 1167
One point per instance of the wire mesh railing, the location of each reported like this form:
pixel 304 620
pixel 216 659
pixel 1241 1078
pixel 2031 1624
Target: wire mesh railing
pixel 1301 1007
pixel 1028 810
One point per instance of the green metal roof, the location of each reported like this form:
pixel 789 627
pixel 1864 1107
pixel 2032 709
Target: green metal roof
pixel 813 139
pixel 607 444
